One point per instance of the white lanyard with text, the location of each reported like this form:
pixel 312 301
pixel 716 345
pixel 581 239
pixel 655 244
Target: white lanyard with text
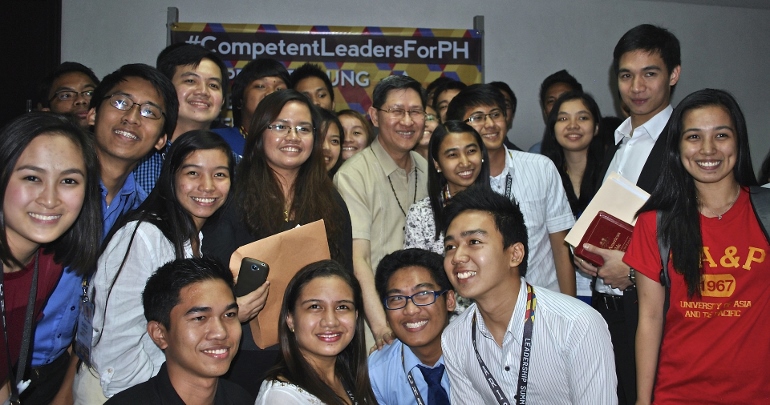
pixel 508 184
pixel 526 352
pixel 412 385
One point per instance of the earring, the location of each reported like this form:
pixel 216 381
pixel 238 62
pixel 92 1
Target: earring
pixel 438 170
pixel 482 160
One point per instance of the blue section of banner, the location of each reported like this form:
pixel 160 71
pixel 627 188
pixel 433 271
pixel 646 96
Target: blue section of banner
pixel 425 32
pixel 216 27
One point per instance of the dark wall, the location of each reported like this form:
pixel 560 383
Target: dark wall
pixel 31 47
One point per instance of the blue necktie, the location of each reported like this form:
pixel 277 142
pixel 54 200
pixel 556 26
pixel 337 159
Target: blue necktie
pixel 436 393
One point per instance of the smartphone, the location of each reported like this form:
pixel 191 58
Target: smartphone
pixel 252 275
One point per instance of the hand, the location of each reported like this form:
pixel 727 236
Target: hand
pixel 613 272
pixel 250 304
pixel 384 337
pixel 585 266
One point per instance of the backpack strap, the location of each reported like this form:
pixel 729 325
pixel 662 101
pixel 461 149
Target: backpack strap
pixel 664 250
pixel 760 202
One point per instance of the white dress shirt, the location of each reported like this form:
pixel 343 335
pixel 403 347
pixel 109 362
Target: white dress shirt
pixel 631 156
pixel 125 355
pixel 571 360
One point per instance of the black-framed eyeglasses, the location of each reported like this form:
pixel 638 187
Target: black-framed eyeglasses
pixel 67 95
pixel 481 117
pixel 400 113
pixel 124 103
pixel 421 299
pixel 283 130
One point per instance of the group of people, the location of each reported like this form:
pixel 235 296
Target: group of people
pixel 449 278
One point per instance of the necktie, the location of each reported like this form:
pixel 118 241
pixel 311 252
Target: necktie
pixel 436 393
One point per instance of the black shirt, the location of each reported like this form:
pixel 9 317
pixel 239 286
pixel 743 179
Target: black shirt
pixel 158 390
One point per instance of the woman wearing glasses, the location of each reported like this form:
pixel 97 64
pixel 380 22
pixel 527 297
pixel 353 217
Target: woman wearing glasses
pixel 431 122
pixel 194 183
pixel 282 182
pixel 323 350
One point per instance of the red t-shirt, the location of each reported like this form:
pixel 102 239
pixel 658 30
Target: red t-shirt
pixel 17 287
pixel 716 349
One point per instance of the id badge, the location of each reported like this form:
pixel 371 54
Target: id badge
pixel 85 332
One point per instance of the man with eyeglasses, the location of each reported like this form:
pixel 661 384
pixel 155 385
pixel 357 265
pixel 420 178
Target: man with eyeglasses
pixel 418 301
pixel 531 180
pixel 380 183
pixel 133 110
pixel 68 90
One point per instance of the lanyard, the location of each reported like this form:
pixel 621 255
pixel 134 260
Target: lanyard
pixel 412 385
pixel 508 184
pixel 26 334
pixel 526 353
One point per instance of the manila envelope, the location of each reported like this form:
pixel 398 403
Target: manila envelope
pixel 286 253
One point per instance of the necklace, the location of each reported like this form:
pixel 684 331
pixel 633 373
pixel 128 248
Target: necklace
pixel 719 216
pixel 414 200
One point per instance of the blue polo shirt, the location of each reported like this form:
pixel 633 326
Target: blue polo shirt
pixel 388 375
pixel 55 331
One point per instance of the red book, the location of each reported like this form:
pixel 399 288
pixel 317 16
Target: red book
pixel 606 232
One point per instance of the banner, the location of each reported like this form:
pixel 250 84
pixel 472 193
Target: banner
pixel 354 58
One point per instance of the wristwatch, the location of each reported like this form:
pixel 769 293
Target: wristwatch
pixel 632 275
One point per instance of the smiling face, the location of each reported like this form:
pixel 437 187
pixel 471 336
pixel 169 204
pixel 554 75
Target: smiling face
pixel 202 184
pixel 199 90
pixel 332 146
pixel 324 319
pixel 459 160
pixel 126 135
pixel 708 146
pixel 203 334
pixel 418 327
pixel 255 92
pixel 475 261
pixel 286 153
pixel 492 130
pixel 315 89
pixel 356 138
pixel 645 84
pixel 431 122
pixel 399 135
pixel 76 105
pixel 45 192
pixel 575 127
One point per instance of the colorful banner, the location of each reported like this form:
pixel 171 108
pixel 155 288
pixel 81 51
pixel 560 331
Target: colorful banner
pixel 355 58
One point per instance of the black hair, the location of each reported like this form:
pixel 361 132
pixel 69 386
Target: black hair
pixel 184 54
pixel 162 207
pixel 44 88
pixel 592 176
pixel 651 39
pixel 313 191
pixel 508 218
pixel 561 76
pixel 430 91
pixel 161 83
pixel 607 127
pixel 311 70
pixel 327 119
pixel 77 247
pixel 161 293
pixel 350 366
pixel 254 70
pixel 395 82
pixel 473 96
pixel 450 85
pixel 504 87
pixel 436 181
pixel 391 263
pixel 764 170
pixel 675 193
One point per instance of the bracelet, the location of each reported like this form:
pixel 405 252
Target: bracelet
pixel 632 275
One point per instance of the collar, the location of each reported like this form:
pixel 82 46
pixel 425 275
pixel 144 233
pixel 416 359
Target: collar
pixel 388 164
pixel 411 361
pixel 165 388
pixel 130 186
pixel 515 324
pixel 508 168
pixel 653 127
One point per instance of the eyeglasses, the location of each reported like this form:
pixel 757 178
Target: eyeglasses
pixel 283 130
pixel 400 113
pixel 481 117
pixel 66 95
pixel 430 117
pixel 124 103
pixel 421 299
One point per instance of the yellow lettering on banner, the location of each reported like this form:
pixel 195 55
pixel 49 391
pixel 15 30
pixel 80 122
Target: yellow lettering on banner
pixel 756 255
pixel 717 285
pixel 730 259
pixel 707 257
